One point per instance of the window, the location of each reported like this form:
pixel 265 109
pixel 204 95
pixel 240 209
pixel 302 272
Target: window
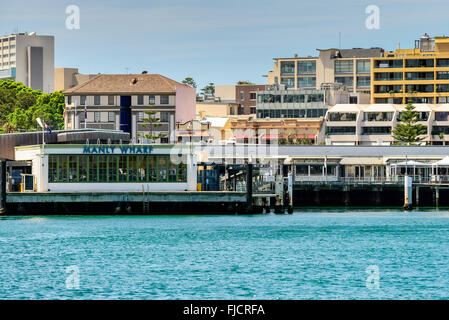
pixel 111 116
pixel 363 82
pixel 164 99
pixel 164 116
pixel 162 165
pixel 110 100
pixel 418 63
pixel 306 67
pixel 388 63
pixel 93 168
pixel 242 95
pixel 140 100
pixel 376 130
pixel 346 81
pixel 97 100
pixel 164 140
pixel 384 76
pixel 69 99
pixel 252 96
pixel 344 66
pixel 340 130
pixel 288 82
pixel 96 116
pixel 419 76
pixel 443 75
pixel 378 116
pixel 363 66
pixel 152 100
pixel 441 116
pixel 83 100
pixel 442 62
pixel 342 116
pixel 52 168
pixel 307 82
pixel 252 110
pixel 140 116
pixel 287 68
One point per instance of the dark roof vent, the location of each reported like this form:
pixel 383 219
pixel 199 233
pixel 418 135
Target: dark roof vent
pixel 145 72
pixel 134 81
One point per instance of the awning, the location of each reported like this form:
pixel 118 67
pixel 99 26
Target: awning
pixel 269 137
pixel 362 161
pixel 443 162
pixel 411 163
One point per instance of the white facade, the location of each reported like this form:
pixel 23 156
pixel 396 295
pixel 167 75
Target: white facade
pixel 39 156
pixel 29 59
pixel 351 124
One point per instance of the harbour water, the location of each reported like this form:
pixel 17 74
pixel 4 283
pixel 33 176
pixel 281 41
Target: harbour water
pixel 311 254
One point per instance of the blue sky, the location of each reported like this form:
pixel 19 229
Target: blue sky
pixel 216 41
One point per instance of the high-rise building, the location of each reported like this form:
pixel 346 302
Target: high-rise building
pixel 419 75
pixel 29 59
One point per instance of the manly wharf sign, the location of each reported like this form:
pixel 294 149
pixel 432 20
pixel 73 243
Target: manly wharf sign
pixel 106 149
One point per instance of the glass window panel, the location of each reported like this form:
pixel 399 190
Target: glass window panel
pixel 83 161
pixel 162 166
pixel 93 166
pixel 122 169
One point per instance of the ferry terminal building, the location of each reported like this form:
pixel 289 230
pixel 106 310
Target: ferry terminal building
pixel 76 167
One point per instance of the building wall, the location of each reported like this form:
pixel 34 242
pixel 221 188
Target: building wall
pixel 225 92
pixel 243 98
pixel 185 104
pixel 215 109
pixel 23 42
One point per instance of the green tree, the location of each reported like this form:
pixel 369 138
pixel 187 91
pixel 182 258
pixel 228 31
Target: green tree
pixel 209 89
pixel 20 106
pixel 152 123
pixel 189 81
pixel 408 130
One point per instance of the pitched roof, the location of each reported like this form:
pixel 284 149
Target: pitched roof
pixel 126 84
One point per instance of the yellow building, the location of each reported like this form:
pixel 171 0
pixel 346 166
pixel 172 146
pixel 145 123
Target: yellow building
pixel 419 75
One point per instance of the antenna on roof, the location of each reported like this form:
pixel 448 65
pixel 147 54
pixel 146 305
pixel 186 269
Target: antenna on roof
pixel 339 40
pixel 127 69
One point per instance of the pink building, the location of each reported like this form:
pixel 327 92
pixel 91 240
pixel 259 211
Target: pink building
pixel 121 102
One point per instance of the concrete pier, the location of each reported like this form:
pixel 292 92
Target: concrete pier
pixel 154 202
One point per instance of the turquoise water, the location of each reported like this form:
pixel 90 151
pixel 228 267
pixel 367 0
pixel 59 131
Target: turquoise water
pixel 308 255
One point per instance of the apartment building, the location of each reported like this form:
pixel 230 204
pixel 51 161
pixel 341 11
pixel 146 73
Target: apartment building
pixel 349 67
pixel 28 58
pixel 419 75
pixel 119 102
pixel 66 78
pixel 372 124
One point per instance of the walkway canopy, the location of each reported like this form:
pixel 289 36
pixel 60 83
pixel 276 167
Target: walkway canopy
pixel 410 167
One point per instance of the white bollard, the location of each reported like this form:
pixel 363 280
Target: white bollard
pixel 408 196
